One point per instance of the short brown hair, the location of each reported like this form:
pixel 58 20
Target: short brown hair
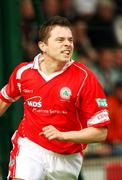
pixel 46 27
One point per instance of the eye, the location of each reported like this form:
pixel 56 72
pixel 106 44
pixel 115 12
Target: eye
pixel 60 39
pixel 71 40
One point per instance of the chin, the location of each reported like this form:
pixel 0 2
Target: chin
pixel 66 59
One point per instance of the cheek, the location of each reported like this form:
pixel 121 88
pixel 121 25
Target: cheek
pixel 53 51
pixel 55 48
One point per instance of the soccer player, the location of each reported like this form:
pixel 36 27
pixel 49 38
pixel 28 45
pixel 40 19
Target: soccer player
pixel 64 109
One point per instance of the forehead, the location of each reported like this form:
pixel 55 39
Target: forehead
pixel 59 31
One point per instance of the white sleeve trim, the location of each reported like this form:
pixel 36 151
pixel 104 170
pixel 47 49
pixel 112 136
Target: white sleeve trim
pixel 99 117
pixel 4 94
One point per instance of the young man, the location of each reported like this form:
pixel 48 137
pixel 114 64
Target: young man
pixel 58 93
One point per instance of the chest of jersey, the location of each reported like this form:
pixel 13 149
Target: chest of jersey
pixel 58 94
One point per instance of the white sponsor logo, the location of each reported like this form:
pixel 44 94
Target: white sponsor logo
pixel 27 90
pixel 49 111
pixel 65 93
pixel 34 101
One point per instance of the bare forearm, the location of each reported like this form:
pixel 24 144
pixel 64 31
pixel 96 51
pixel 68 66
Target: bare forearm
pixel 3 107
pixel 2 112
pixel 88 135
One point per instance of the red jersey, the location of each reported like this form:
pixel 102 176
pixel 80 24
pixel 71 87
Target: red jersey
pixel 70 100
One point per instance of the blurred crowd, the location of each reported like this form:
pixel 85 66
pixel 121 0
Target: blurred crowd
pixel 97 28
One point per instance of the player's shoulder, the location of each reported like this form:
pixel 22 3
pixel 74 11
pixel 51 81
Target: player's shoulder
pixel 21 68
pixel 24 64
pixel 83 68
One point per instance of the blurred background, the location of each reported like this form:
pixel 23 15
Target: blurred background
pixel 97 28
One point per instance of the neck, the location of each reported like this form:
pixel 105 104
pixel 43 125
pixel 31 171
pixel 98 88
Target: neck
pixel 50 66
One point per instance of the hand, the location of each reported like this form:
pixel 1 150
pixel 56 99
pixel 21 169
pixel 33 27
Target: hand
pixel 51 132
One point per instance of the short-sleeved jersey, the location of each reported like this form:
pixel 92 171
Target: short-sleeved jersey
pixel 70 100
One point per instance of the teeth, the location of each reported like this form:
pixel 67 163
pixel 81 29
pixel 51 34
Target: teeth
pixel 67 52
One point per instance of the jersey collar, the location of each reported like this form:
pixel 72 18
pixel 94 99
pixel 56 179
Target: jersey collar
pixel 38 60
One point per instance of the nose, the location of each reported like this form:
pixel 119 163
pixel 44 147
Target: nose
pixel 67 42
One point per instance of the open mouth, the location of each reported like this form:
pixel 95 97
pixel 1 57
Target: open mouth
pixel 67 52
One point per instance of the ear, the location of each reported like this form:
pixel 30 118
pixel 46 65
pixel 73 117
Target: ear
pixel 42 46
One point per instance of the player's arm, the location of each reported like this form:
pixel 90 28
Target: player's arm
pixel 3 107
pixel 87 135
pixel 10 92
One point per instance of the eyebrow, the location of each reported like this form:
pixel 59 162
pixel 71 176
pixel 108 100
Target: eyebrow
pixel 64 37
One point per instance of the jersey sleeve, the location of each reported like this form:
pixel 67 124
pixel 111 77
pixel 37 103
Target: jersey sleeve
pixel 11 92
pixel 93 103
